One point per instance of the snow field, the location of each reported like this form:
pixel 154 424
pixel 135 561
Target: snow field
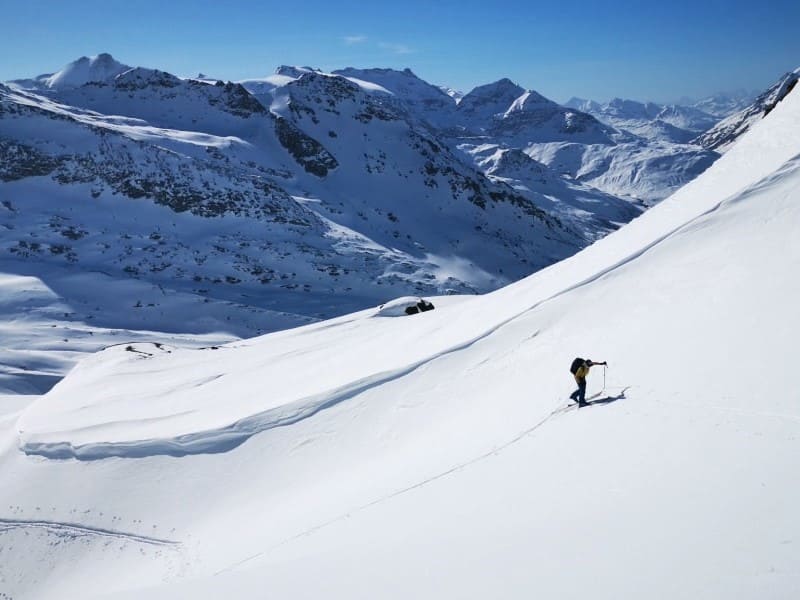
pixel 433 460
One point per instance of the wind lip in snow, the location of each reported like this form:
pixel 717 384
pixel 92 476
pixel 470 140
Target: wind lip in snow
pixel 224 439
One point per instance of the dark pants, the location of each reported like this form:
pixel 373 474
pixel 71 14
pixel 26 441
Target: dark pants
pixel 580 393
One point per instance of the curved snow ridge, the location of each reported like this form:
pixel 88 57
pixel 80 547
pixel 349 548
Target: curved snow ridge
pixel 224 439
pixel 76 529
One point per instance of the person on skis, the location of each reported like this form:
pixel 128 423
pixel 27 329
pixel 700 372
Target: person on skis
pixel 580 369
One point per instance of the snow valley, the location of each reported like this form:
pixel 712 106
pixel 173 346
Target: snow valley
pixel 392 456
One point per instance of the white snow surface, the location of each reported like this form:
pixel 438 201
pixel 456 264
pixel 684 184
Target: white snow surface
pixel 434 456
pixel 44 333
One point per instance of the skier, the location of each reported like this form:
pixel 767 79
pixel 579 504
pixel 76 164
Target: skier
pixel 580 369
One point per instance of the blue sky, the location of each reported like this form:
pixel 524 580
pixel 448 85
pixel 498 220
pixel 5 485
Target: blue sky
pixel 644 50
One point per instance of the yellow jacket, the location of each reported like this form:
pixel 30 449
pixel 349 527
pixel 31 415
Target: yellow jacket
pixel 582 372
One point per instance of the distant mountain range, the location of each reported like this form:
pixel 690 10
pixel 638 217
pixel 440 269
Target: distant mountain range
pixel 306 194
pixel 656 122
pixel 728 130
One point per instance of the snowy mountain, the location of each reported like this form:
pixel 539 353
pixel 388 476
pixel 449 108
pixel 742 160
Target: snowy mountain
pixel 645 172
pixel 506 116
pixel 504 111
pixel 724 104
pixel 483 104
pixel 219 136
pixel 455 94
pixel 655 122
pixel 426 101
pixel 96 69
pixel 643 166
pixel 593 211
pixel 727 131
pixel 502 116
pixel 435 455
pixel 687 118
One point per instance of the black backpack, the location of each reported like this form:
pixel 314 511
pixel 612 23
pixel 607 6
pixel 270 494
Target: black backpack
pixel 576 364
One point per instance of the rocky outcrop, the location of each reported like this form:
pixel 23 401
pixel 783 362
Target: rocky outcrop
pixel 307 151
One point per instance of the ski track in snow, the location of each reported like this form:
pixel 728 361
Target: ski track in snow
pixel 561 409
pixel 76 529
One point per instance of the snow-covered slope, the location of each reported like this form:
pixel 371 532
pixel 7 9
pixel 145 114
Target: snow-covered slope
pixel 636 169
pixel 653 160
pixel 594 212
pixel 433 455
pixel 165 101
pixel 455 94
pixel 687 118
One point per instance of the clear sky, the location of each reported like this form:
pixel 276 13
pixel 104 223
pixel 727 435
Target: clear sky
pixel 645 50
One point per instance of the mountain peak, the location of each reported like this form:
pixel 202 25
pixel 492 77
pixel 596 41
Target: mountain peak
pixel 529 99
pixel 292 71
pixel 504 82
pixel 488 100
pixel 140 78
pixel 100 68
pixel 502 87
